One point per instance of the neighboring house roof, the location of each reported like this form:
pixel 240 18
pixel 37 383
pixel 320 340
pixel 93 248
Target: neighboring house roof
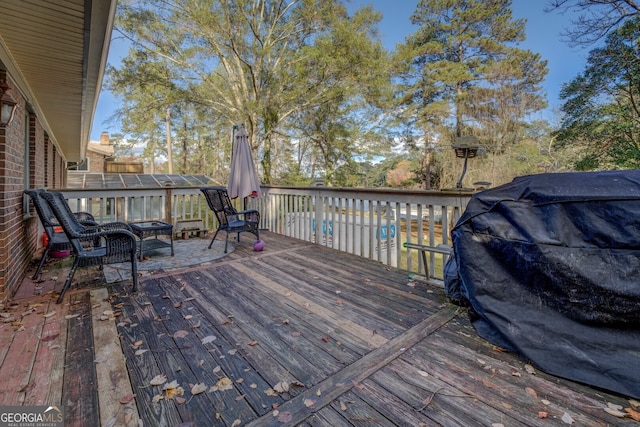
pixel 85 180
pixel 105 150
pixel 56 52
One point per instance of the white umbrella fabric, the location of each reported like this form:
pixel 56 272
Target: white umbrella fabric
pixel 243 179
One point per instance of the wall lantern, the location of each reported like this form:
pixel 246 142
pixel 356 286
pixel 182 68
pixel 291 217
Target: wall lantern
pixel 7 104
pixel 466 147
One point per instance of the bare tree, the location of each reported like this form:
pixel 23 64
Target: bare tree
pixel 595 18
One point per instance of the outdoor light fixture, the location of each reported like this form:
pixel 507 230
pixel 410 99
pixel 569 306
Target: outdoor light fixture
pixel 7 103
pixel 466 147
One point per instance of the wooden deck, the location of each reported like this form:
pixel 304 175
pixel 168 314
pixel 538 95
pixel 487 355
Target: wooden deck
pixel 294 335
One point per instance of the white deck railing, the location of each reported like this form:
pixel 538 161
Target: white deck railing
pixel 371 223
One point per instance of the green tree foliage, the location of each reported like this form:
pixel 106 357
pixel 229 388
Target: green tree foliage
pixel 602 104
pixel 463 71
pixel 264 63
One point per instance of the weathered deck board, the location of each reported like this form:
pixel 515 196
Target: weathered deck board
pixel 134 327
pixel 494 382
pixel 47 390
pixel 114 388
pixel 330 389
pixel 304 321
pixel 20 358
pixel 312 285
pixel 79 394
pixel 345 320
pixel 199 358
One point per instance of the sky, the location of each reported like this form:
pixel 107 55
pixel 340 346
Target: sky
pixel 543 37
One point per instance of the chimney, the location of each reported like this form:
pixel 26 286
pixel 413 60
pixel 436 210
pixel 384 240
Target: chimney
pixel 104 138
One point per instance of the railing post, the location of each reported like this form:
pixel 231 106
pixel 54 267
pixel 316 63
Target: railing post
pixel 168 196
pixel 318 215
pixel 121 209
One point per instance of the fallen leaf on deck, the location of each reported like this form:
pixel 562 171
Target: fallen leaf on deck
pixel 217 369
pixel 188 316
pixel 285 417
pixel 142 351
pixel 615 412
pixel 309 403
pixel 127 399
pixel 180 334
pixel 270 392
pixel 232 351
pixel 423 373
pixel 223 384
pixel 542 414
pixel 530 369
pixel 326 338
pixel 49 337
pixel 177 305
pixel 49 314
pixel 567 419
pixel 545 402
pixel 633 414
pixel 634 403
pixel 236 423
pixel 198 388
pixel 242 396
pixel 343 407
pixel 172 390
pixel 71 316
pixel 157 398
pixel 281 387
pixel 208 339
pixel 531 392
pixel 158 379
pixel 252 343
pixel 137 344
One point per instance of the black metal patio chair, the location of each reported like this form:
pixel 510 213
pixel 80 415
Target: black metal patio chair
pixel 56 240
pixel 108 243
pixel 229 219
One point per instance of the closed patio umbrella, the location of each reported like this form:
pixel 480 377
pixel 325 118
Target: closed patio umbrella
pixel 243 179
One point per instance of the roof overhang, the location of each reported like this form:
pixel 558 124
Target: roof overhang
pixel 56 53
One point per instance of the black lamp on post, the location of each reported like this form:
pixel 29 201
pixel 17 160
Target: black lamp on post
pixel 466 147
pixel 7 103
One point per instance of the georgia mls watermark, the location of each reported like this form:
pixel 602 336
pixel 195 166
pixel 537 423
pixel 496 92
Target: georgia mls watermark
pixel 31 416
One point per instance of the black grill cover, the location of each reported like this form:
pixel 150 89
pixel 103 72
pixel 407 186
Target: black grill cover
pixel 550 266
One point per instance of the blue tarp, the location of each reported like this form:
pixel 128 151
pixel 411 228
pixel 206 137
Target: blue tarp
pixel 549 266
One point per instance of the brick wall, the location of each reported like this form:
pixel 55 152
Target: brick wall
pixel 96 161
pixel 20 230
